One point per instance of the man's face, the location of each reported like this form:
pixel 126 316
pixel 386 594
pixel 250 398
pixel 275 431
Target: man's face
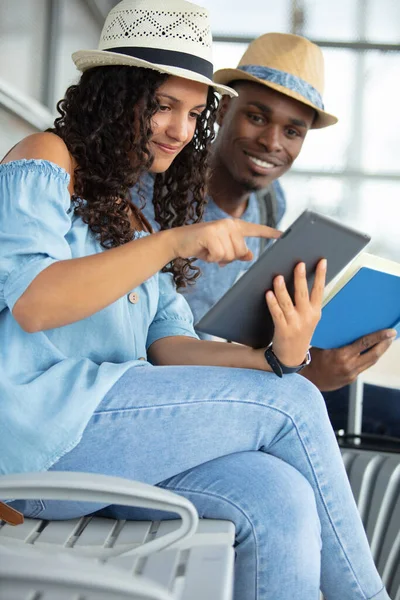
pixel 261 134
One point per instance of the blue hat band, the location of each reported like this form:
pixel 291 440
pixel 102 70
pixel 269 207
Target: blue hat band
pixel 287 80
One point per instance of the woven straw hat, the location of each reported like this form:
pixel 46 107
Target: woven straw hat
pixel 170 36
pixel 288 63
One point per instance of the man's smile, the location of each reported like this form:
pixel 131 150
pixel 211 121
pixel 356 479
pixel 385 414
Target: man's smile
pixel 263 164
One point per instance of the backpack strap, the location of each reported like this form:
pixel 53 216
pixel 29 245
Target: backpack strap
pixel 268 207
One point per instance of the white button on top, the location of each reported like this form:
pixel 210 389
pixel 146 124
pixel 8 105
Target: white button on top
pixel 133 297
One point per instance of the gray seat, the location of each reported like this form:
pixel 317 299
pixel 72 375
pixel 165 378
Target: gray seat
pixel 190 559
pixel 197 564
pixel 375 481
pixel 26 573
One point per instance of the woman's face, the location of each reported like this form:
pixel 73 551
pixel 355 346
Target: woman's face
pixel 181 103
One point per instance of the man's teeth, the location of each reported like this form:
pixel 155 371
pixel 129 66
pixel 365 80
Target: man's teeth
pixel 261 163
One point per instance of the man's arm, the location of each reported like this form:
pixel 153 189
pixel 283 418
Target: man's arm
pixel 332 369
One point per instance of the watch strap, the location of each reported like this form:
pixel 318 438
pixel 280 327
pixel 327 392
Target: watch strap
pixel 278 367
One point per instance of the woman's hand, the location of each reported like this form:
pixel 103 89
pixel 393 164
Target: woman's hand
pixel 218 241
pixel 296 321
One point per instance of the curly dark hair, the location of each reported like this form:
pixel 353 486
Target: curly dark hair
pixel 108 136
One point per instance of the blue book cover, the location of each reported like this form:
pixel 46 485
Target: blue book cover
pixel 369 301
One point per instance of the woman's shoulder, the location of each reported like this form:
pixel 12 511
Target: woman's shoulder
pixel 44 146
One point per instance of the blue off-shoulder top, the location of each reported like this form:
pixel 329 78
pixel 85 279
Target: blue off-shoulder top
pixel 52 381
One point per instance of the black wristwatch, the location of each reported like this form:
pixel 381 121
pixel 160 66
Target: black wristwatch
pixel 279 368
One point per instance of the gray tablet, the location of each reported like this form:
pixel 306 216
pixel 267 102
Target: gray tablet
pixel 242 315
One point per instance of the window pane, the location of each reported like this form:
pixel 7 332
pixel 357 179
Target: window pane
pixel 369 206
pixel 241 19
pixel 323 194
pixel 379 215
pixel 227 55
pixel 324 19
pixel 13 129
pixel 79 32
pixel 381 122
pixel 326 149
pixel 383 22
pixel 22 42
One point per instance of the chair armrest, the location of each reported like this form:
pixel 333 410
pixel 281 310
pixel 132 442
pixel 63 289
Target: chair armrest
pixel 26 570
pixel 91 487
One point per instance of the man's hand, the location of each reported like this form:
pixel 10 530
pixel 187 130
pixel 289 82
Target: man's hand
pixel 332 369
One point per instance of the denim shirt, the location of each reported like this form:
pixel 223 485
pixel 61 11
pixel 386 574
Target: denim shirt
pixel 52 381
pixel 214 280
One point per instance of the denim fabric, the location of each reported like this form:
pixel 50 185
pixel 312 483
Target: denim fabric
pixel 245 446
pixel 287 80
pixel 52 381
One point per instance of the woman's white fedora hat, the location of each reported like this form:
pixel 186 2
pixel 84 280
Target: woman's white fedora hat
pixel 170 36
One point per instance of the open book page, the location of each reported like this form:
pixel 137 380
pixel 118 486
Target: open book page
pixel 364 259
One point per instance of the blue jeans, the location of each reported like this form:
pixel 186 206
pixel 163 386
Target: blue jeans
pixel 244 446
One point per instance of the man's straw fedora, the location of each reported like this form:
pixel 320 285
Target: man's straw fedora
pixel 288 63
